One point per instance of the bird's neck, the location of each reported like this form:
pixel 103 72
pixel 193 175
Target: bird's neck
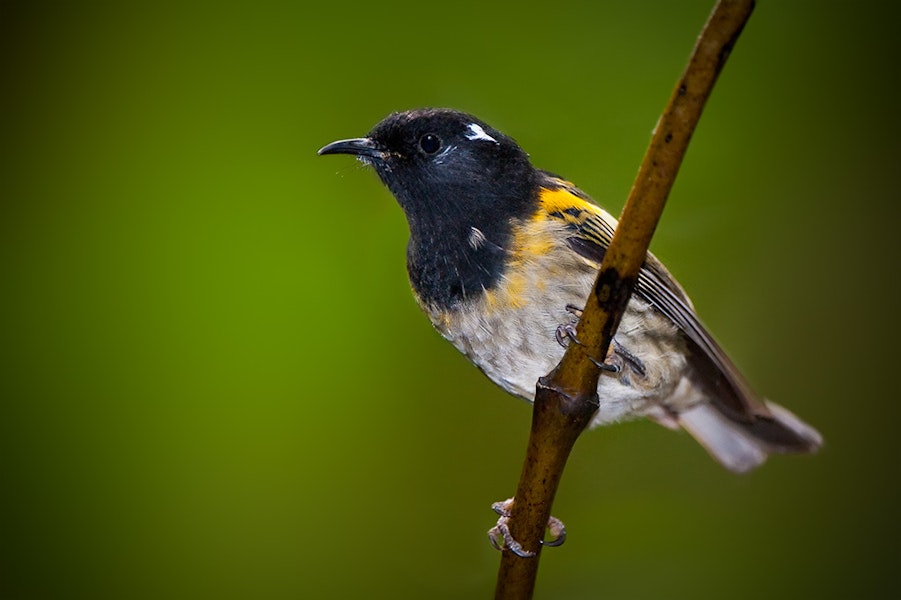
pixel 458 249
pixel 446 270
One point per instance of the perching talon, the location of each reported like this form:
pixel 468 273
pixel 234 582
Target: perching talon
pixel 615 362
pixel 501 531
pixel 635 363
pixel 574 310
pixel 565 333
pixel 558 530
pixel 606 366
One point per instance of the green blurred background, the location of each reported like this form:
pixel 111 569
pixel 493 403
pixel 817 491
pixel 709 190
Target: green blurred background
pixel 215 382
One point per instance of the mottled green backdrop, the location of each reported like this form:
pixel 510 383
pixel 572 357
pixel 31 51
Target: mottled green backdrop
pixel 215 383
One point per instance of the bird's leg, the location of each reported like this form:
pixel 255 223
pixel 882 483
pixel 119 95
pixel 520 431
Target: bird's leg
pixel 566 332
pixel 574 310
pixel 635 363
pixel 617 357
pixel 500 535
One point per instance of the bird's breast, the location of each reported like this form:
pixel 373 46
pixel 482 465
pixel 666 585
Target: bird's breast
pixel 509 330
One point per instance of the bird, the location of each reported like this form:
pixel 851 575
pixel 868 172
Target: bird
pixel 502 254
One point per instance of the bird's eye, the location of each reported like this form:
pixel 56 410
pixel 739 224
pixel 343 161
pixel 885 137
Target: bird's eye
pixel 430 143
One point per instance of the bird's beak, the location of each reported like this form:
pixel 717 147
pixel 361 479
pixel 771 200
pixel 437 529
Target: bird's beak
pixel 356 146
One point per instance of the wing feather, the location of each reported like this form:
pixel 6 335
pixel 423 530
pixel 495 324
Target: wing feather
pixel 592 231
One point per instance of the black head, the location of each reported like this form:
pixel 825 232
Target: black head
pixel 437 160
pixel 453 175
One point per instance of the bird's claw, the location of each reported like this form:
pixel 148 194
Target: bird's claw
pixel 616 360
pixel 558 531
pixel 610 367
pixel 627 357
pixel 500 535
pixel 566 333
pixel 574 310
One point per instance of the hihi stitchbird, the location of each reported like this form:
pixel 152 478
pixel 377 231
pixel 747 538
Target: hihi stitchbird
pixel 502 254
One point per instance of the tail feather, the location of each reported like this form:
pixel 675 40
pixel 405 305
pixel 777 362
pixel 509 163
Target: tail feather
pixel 741 446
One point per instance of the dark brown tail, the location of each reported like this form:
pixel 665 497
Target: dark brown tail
pixel 741 446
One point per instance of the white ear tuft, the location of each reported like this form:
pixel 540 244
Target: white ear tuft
pixel 477 133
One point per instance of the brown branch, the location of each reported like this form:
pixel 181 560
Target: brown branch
pixel 566 398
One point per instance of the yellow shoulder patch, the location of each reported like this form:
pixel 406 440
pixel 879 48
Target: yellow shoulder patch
pixel 562 203
pixel 566 204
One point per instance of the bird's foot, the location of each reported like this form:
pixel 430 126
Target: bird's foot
pixel 635 363
pixel 500 535
pixel 617 357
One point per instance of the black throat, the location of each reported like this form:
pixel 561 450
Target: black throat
pixel 460 239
